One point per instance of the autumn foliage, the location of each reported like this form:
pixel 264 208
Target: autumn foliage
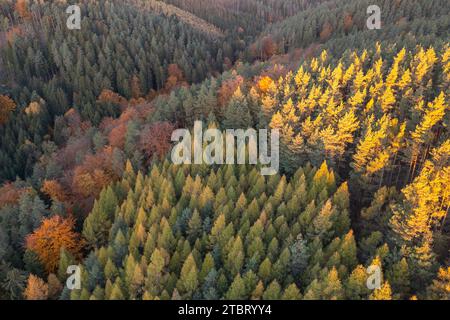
pixel 269 47
pixel 54 190
pixel 36 289
pixel 155 139
pixel 110 96
pixel 227 89
pixel 326 32
pixel 53 234
pixel 10 194
pixel 175 77
pixel 7 105
pixel 264 83
pixel 22 9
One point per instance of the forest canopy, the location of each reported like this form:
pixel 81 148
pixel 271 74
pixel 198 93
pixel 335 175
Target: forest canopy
pixel 86 177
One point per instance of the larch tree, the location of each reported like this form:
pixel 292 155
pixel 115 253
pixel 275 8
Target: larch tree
pixel 36 289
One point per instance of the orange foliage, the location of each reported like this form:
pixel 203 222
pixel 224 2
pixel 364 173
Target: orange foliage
pixel 112 97
pixel 227 89
pixel 326 32
pixel 348 22
pixel 117 135
pixel 36 289
pixel 175 77
pixel 22 10
pixel 155 139
pixel 9 194
pixel 54 190
pixel 269 48
pixel 7 106
pixel 53 234
pixel 264 83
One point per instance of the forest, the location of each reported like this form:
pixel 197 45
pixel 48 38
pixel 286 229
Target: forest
pixel 86 178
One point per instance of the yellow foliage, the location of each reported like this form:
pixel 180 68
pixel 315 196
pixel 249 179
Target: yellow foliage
pixel 264 84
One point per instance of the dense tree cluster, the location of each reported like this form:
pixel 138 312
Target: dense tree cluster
pixel 247 16
pixel 338 24
pixel 86 120
pixel 121 47
pixel 380 119
pixel 192 232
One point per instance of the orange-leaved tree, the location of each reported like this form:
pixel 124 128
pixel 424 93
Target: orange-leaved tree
pixel 7 106
pixel 36 289
pixel 53 234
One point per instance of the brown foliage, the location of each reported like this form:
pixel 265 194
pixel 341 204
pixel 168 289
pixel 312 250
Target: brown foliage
pixel 136 91
pixel 94 174
pixel 13 32
pixel 7 106
pixel 155 139
pixel 348 22
pixel 227 89
pixel 185 16
pixel 175 77
pixel 10 194
pixel 53 234
pixel 112 97
pixel 326 32
pixel 36 289
pixel 117 135
pixel 74 122
pixel 22 9
pixel 54 286
pixel 269 48
pixel 90 183
pixel 54 190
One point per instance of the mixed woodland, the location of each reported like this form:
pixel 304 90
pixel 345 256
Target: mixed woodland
pixel 86 118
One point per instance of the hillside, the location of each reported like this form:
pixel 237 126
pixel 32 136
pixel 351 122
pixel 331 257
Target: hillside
pixel 88 178
pixel 184 16
pixel 247 16
pixel 66 69
pixel 343 23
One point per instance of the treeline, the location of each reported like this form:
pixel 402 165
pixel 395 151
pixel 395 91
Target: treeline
pixel 250 17
pixel 402 23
